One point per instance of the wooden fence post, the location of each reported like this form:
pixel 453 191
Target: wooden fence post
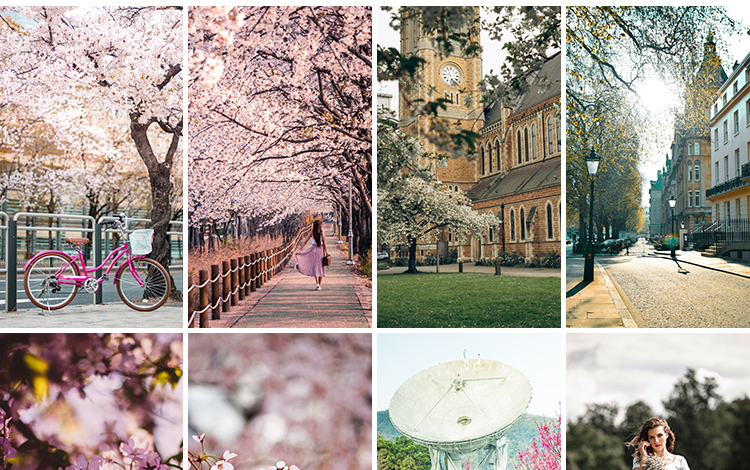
pixel 241 277
pixel 191 303
pixel 203 298
pixel 215 291
pixel 248 276
pixel 254 272
pixel 262 273
pixel 227 288
pixel 234 290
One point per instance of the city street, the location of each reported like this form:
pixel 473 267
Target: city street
pixel 692 292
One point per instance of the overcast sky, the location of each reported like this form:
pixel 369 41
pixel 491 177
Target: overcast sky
pixel 627 367
pixel 536 355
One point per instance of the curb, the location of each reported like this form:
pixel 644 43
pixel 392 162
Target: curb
pixel 622 309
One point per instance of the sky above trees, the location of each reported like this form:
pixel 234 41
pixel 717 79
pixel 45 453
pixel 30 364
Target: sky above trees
pixel 537 356
pixel 626 368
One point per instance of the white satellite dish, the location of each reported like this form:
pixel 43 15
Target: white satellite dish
pixel 460 406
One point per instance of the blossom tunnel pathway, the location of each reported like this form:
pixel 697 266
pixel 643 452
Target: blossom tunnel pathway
pixel 289 300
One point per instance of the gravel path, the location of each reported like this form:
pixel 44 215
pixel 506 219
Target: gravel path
pixel 666 296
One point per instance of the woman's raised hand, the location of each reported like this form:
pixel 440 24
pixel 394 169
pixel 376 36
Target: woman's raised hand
pixel 642 448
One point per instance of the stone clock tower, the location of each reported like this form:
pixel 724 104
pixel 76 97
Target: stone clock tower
pixel 452 77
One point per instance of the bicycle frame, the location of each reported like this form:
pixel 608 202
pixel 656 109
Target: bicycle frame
pixel 114 256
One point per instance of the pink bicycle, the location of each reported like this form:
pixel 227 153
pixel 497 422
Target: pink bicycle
pixel 52 278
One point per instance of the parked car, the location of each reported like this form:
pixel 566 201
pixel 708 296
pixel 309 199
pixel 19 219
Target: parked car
pixel 383 255
pixel 611 246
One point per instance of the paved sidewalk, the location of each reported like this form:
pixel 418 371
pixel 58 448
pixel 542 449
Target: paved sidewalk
pixel 114 315
pixel 599 305
pixel 593 305
pixel 289 300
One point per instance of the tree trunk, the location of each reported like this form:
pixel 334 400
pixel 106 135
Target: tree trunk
pixel 159 174
pixel 412 256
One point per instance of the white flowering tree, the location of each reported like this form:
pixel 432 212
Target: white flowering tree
pixel 127 61
pixel 411 205
pixel 280 113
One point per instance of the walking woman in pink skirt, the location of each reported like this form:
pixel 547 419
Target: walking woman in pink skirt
pixel 310 261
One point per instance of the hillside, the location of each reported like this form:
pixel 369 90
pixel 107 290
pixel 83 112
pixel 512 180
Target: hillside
pixel 519 437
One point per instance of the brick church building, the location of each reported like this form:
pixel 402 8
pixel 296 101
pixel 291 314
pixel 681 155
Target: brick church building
pixel 516 175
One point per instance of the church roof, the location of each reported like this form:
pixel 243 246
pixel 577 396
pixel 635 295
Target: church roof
pixel 541 90
pixel 542 174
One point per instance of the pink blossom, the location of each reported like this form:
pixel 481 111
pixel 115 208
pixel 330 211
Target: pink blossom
pixel 81 463
pixel 222 465
pixel 131 451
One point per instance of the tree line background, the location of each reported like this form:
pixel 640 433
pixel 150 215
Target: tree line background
pixel 710 432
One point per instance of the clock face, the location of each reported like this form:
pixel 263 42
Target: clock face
pixel 450 75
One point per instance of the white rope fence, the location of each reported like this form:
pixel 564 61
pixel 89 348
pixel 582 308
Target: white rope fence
pixel 235 283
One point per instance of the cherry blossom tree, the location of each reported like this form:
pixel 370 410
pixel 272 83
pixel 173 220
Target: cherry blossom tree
pixel 545 452
pixel 411 204
pixel 123 60
pixel 280 109
pixel 78 401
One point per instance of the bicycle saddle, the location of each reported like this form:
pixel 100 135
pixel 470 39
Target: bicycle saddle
pixel 77 241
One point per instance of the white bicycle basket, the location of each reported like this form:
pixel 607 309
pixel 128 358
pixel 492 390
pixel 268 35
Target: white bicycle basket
pixel 140 241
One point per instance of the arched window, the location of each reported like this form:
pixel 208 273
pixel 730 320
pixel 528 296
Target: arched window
pixel 497 154
pixel 697 149
pixel 526 143
pixel 689 173
pixel 533 141
pixel 490 234
pixel 512 225
pixel 482 152
pixel 697 171
pixel 550 230
pixel 551 145
pixel 523 225
pixel 557 129
pixel 518 135
pixel 489 156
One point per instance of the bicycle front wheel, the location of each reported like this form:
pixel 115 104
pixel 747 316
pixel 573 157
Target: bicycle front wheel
pixel 44 281
pixel 145 287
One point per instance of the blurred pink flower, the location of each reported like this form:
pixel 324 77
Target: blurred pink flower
pixel 82 464
pixel 131 451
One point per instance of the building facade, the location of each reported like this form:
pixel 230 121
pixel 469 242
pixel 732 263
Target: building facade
pixel 655 203
pixel 729 194
pixel 516 174
pixel 687 172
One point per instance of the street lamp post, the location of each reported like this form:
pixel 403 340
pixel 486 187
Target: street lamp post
pixel 672 203
pixel 502 222
pixel 592 164
pixel 350 237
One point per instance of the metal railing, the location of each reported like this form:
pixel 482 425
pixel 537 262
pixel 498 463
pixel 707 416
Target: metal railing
pixel 726 186
pixel 90 229
pixel 731 234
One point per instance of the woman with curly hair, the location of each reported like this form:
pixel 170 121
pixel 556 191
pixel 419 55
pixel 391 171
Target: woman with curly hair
pixel 654 445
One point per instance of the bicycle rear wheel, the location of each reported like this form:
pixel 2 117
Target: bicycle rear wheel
pixel 42 281
pixel 144 288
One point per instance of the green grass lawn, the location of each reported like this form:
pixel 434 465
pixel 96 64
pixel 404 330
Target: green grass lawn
pixel 467 300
